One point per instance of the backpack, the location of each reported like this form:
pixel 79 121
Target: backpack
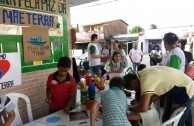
pixel 103 49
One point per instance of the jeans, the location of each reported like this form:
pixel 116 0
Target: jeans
pixel 135 66
pixel 169 107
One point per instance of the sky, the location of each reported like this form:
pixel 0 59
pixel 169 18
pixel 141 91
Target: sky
pixel 163 13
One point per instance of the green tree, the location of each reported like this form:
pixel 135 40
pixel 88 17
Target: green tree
pixel 136 29
pixel 153 26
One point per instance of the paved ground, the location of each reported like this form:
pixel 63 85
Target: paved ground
pixel 146 60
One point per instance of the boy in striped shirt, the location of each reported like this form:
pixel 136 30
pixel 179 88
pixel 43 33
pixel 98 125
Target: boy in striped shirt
pixel 114 105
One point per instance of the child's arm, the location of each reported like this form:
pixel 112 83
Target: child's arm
pixel 112 68
pixel 69 104
pixel 9 120
pixel 71 98
pixel 48 96
pixel 155 98
pixel 118 71
pixel 133 116
pixel 93 109
pixel 143 105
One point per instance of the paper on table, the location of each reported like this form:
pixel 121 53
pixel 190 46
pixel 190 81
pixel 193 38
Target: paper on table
pixel 53 119
pixel 58 119
pixel 41 124
pixel 84 123
pixel 79 115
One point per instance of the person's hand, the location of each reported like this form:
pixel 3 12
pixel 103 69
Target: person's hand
pixel 133 102
pixel 100 109
pixel 48 100
pixel 102 56
pixel 66 109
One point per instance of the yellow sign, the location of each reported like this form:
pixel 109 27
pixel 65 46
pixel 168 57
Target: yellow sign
pixel 37 62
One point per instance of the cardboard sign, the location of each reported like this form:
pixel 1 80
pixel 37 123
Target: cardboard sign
pixel 23 18
pixel 36 44
pixel 10 70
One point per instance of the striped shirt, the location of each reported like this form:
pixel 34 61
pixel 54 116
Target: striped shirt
pixel 115 107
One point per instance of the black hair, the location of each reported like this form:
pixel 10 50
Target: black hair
pixel 115 53
pixel 128 78
pixel 94 36
pixel 189 56
pixel 170 38
pixel 120 47
pixel 141 67
pixel 117 82
pixel 64 62
pixel 108 40
pixel 157 46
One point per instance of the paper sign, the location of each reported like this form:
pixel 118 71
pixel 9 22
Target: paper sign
pixel 24 18
pixel 10 70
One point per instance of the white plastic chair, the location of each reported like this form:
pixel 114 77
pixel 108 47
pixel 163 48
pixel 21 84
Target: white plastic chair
pixel 14 97
pixel 175 118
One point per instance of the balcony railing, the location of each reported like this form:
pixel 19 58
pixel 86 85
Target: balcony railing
pixel 86 36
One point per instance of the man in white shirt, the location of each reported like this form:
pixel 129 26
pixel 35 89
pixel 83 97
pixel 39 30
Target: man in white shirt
pixel 94 56
pixel 136 56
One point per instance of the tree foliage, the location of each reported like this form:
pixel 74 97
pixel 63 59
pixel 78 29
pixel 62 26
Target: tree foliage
pixel 153 26
pixel 136 29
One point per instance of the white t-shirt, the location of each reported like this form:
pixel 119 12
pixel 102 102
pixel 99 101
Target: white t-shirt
pixel 121 51
pixel 164 59
pixel 177 52
pixel 159 53
pixel 105 52
pixel 93 61
pixel 135 55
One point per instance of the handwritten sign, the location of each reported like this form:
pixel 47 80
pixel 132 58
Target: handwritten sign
pixel 10 70
pixel 17 17
pixel 36 44
pixel 55 6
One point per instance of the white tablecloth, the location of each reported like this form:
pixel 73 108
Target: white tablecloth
pixel 64 120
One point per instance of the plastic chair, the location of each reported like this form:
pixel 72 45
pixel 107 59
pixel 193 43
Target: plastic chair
pixel 174 120
pixel 14 97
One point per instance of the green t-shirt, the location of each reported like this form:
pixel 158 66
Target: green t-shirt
pixel 119 64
